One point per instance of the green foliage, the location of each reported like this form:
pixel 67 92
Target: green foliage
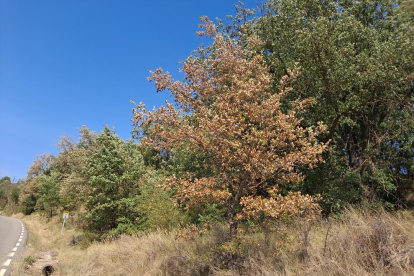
pixel 28 195
pixel 3 197
pixel 183 162
pixel 338 188
pixel 2 192
pixel 9 195
pixel 210 214
pixel 5 179
pixel 48 198
pixel 15 195
pixel 70 163
pixel 156 206
pixel 356 60
pixel 102 174
pixel 29 260
pixel 151 157
pixel 113 171
pixel 28 205
pixel 357 63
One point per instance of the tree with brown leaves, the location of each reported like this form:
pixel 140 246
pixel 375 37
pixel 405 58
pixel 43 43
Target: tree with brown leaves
pixel 225 109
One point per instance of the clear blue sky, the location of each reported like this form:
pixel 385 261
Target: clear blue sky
pixel 64 64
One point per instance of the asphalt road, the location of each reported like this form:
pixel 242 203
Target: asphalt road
pixel 13 235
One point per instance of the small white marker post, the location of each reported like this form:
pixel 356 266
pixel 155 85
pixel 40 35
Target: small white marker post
pixel 65 216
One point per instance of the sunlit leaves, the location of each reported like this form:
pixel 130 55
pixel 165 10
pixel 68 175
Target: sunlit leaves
pixel 226 110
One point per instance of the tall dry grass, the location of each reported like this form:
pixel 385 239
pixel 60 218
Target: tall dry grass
pixel 361 243
pixel 364 243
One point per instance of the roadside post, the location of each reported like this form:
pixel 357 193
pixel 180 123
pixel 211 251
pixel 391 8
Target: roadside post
pixel 65 216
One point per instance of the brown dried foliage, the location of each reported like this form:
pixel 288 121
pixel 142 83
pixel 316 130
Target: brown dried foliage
pixel 225 108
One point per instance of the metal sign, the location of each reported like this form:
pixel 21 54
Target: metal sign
pixel 65 216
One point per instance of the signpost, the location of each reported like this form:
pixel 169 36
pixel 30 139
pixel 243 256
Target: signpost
pixel 65 216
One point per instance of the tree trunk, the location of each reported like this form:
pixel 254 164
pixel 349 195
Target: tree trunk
pixel 233 223
pixel 233 227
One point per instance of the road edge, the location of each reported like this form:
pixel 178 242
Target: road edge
pixel 17 251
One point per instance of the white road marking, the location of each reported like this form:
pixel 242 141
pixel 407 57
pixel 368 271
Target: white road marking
pixel 7 263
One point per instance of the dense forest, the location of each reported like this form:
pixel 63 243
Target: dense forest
pixel 298 109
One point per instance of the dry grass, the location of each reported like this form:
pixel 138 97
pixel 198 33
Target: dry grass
pixel 44 238
pixel 362 243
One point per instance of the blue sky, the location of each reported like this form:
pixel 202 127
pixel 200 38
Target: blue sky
pixel 64 64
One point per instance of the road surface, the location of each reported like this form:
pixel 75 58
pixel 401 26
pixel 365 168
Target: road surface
pixel 13 236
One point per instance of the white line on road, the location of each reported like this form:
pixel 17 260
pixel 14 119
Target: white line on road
pixel 14 249
pixel 20 239
pixel 17 244
pixel 2 272
pixel 11 254
pixel 7 263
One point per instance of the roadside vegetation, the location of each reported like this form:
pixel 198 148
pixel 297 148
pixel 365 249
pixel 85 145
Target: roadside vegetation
pixel 359 242
pixel 9 196
pixel 287 149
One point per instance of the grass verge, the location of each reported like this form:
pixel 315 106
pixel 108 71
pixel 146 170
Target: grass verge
pixel 360 243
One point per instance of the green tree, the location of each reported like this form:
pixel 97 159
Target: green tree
pixel 29 191
pixel 3 197
pixel 113 171
pixel 9 195
pixel 48 198
pixel 5 179
pixel 155 204
pixel 15 192
pixel 357 63
pixel 69 164
pixel 28 195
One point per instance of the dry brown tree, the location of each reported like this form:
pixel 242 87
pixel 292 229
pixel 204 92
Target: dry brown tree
pixel 226 109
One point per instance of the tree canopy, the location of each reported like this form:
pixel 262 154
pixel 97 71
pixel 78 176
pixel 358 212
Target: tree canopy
pixel 226 111
pixel 356 59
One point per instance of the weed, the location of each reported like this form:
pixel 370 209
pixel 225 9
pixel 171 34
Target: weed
pixel 29 260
